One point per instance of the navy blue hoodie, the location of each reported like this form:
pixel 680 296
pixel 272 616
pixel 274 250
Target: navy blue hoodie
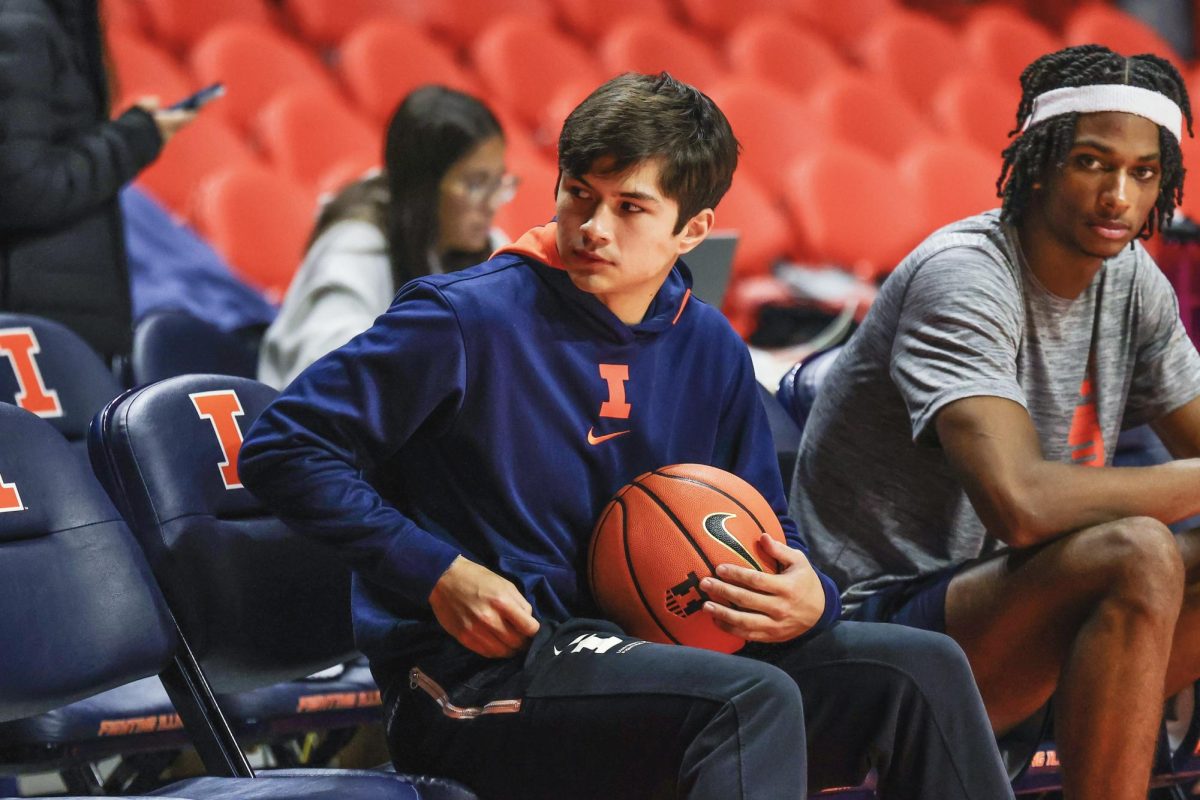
pixel 481 415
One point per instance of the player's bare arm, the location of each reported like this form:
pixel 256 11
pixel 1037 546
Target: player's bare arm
pixel 1180 430
pixel 761 607
pixel 1024 500
pixel 483 611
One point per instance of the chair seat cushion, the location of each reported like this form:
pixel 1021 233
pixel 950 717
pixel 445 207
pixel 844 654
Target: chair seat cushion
pixel 135 716
pixel 351 698
pixel 319 784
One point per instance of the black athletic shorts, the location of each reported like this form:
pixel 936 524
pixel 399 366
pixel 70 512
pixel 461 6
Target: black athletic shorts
pixel 919 603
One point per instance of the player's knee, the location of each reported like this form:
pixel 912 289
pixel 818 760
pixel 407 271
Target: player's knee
pixel 766 689
pixel 919 657
pixel 1144 569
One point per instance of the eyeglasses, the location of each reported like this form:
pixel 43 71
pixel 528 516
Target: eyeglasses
pixel 495 191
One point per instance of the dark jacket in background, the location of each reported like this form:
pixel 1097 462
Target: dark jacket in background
pixel 62 162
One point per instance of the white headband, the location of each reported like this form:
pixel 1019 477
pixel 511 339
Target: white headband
pixel 1155 107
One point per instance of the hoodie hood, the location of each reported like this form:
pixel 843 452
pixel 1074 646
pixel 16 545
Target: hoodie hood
pixel 540 246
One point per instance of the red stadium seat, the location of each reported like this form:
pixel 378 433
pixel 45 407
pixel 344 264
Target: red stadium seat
pixel 555 113
pixel 326 22
pixel 772 126
pixel 259 221
pixel 1050 13
pixel 519 145
pixel 854 109
pixel 125 16
pixel 979 108
pixel 254 62
pixel 949 180
pixel 1191 79
pixel 1113 28
pixel 764 235
pixel 843 21
pixel 913 52
pixel 202 148
pixel 588 19
pixel 524 63
pixel 770 47
pixel 651 45
pixel 1191 160
pixel 307 134
pixel 182 23
pixel 383 60
pixel 719 17
pixel 1003 42
pixel 143 69
pixel 533 204
pixel 518 136
pixel 462 21
pixel 849 205
pixel 341 175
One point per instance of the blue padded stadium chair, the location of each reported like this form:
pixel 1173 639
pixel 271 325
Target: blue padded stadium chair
pixel 51 372
pixel 81 613
pixel 260 605
pixel 171 343
pixel 798 386
pixel 48 370
pixel 784 431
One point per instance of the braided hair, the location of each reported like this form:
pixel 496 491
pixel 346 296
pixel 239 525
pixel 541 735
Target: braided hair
pixel 1029 157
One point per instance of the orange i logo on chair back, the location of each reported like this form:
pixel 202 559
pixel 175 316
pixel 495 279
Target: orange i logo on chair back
pixel 10 498
pixel 220 408
pixel 20 346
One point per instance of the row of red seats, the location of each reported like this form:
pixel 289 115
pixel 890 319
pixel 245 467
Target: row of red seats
pixel 180 23
pixel 898 86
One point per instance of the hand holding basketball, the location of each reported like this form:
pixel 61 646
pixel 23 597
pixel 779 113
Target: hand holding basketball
pixel 667 531
pixel 482 610
pixel 769 607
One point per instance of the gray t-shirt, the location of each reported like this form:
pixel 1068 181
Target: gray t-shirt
pixel 960 317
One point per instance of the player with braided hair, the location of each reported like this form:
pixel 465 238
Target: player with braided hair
pixel 1087 65
pixel 974 414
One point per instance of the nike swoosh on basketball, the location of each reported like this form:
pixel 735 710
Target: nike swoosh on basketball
pixel 593 439
pixel 714 525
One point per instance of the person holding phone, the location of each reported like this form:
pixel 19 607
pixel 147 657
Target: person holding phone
pixel 62 163
pixel 194 102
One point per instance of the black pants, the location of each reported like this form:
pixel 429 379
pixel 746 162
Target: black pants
pixel 592 713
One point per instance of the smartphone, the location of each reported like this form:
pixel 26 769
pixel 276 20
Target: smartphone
pixel 200 98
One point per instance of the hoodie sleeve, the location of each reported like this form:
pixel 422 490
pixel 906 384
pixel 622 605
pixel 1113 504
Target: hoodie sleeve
pixel 745 447
pixel 306 455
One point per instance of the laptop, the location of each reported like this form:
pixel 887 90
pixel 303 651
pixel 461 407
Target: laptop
pixel 711 263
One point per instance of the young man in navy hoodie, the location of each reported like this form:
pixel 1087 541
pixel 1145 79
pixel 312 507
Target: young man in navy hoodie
pixel 458 453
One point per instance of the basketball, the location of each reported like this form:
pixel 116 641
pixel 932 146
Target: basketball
pixel 664 532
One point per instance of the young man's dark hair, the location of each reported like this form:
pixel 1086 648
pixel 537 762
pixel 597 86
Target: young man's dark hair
pixel 1044 145
pixel 634 118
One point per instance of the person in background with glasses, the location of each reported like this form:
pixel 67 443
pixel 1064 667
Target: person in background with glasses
pixel 430 211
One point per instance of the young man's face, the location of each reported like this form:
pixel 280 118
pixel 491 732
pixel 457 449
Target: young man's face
pixel 616 235
pixel 1098 201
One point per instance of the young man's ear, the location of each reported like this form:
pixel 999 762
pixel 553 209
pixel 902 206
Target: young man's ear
pixel 695 230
